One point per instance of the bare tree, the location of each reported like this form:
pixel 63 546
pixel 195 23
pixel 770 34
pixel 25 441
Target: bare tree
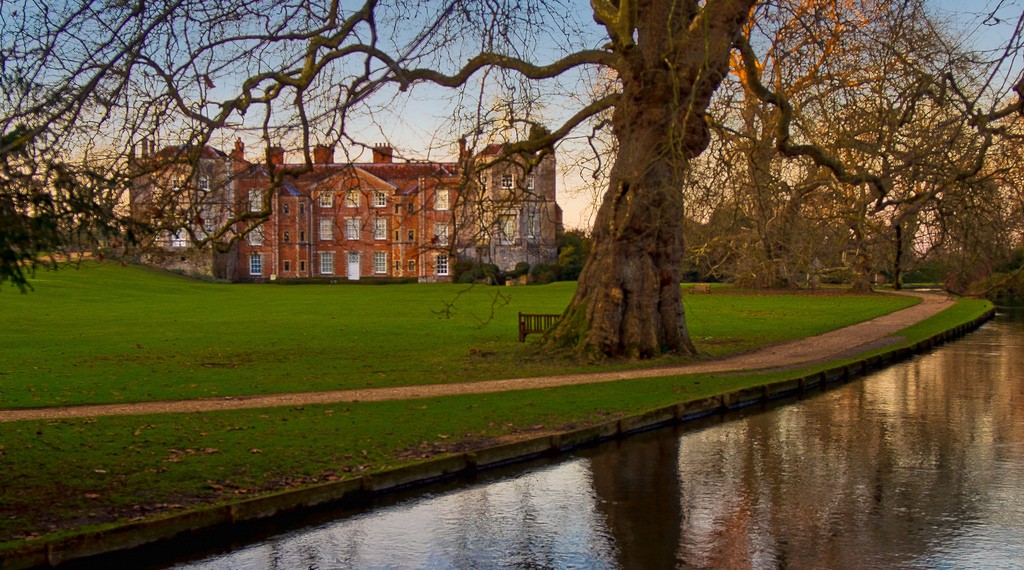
pixel 119 73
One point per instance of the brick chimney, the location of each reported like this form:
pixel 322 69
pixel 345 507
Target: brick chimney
pixel 239 151
pixel 382 153
pixel 276 155
pixel 323 154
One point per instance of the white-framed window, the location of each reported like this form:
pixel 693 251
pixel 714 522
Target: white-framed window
pixel 507 181
pixel 441 199
pixel 204 184
pixel 529 182
pixel 327 200
pixel 255 264
pixel 441 264
pixel 326 263
pixel 380 262
pixel 532 221
pixel 441 231
pixel 209 216
pixel 352 198
pixel 506 229
pixel 380 228
pixel 256 236
pixel 178 238
pixel 255 200
pixel 352 228
pixel 412 266
pixel 326 229
pixel 380 199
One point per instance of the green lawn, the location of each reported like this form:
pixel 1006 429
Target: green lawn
pixel 73 335
pixel 107 333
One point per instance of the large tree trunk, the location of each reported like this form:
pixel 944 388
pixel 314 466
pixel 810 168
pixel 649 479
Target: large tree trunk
pixel 628 301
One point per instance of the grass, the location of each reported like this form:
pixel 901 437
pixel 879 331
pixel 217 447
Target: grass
pixel 109 334
pixel 62 476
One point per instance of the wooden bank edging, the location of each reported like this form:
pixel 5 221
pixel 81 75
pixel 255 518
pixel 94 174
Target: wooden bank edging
pixel 124 538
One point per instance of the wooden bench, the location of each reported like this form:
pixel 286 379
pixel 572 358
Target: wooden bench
pixel 702 288
pixel 535 324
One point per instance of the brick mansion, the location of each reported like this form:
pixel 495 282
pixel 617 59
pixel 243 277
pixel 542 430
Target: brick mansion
pixel 220 215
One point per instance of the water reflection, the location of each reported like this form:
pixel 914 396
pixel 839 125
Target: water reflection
pixel 917 466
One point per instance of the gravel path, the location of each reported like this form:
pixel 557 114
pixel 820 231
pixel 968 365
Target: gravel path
pixel 833 345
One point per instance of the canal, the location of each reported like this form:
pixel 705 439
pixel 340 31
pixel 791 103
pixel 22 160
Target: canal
pixel 920 465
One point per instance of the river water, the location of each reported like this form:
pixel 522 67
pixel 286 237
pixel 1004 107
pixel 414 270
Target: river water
pixel 917 466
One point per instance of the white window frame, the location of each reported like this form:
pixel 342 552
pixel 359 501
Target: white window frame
pixel 441 231
pixel 380 262
pixel 441 199
pixel 203 184
pixel 255 236
pixel 178 238
pixel 255 264
pixel 380 199
pixel 441 264
pixel 352 198
pixel 508 182
pixel 327 200
pixel 326 263
pixel 380 228
pixel 353 229
pixel 326 229
pixel 507 229
pixel 530 182
pixel 255 200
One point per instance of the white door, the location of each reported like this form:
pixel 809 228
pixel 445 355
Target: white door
pixel 353 266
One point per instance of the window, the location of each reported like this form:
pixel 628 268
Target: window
pixel 380 228
pixel 285 209
pixel 411 208
pixel 398 266
pixel 287 266
pixel 302 236
pixel 256 236
pixel 302 265
pixel 178 238
pixel 398 208
pixel 441 199
pixel 255 264
pixel 398 235
pixel 255 200
pixel 380 262
pixel 412 235
pixel 326 263
pixel 506 229
pixel 532 221
pixel 326 229
pixel 441 264
pixel 327 199
pixel 506 181
pixel 287 236
pixel 204 184
pixel 302 208
pixel 352 228
pixel 412 266
pixel 441 231
pixel 529 182
pixel 380 199
pixel 352 198
pixel 209 219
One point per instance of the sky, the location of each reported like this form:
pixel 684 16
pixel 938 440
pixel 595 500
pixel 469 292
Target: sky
pixel 420 127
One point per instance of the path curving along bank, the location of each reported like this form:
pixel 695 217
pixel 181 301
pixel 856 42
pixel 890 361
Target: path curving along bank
pixel 841 343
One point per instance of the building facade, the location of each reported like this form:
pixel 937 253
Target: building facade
pixel 220 215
